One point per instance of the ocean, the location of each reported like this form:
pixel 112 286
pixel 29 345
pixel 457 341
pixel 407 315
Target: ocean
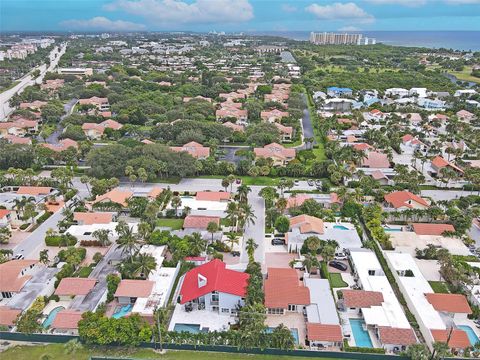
pixel 457 40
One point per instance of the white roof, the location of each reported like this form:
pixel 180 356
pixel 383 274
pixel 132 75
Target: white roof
pixel 372 278
pixel 414 288
pixel 84 230
pixel 322 305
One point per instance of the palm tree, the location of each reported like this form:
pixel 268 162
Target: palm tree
pixel 212 228
pixel 86 180
pixel 327 253
pixel 232 239
pixel 144 231
pixel 225 183
pixel 282 204
pixel 248 216
pixel 176 203
pixel 232 213
pixel 144 265
pixel 251 245
pixel 243 191
pixel 196 243
pixel 102 235
pixel 127 240
pixel 310 262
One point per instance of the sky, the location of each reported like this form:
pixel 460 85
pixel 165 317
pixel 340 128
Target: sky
pixel 238 15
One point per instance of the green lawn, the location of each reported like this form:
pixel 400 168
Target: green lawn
pixel 248 180
pixel 175 224
pixel 57 352
pixel 439 287
pixel 465 75
pixel 83 272
pixel 336 281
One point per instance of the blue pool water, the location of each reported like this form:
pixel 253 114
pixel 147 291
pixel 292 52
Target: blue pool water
pixel 340 227
pixel 191 328
pixel 362 339
pixel 471 334
pixel 49 320
pixel 122 311
pixel 293 331
pixel 392 229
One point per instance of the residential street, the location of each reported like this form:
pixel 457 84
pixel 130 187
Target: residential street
pixel 307 123
pixel 68 107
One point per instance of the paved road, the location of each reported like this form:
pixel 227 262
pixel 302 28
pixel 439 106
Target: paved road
pixel 68 107
pixel 307 123
pixel 255 231
pixel 439 195
pixel 28 80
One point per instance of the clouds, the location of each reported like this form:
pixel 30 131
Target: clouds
pixel 340 11
pixel 408 3
pixel 349 28
pixel 102 23
pixel 171 12
pixel 463 2
pixel 289 8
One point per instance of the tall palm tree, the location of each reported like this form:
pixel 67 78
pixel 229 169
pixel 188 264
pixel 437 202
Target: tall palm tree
pixel 248 216
pixel 102 235
pixel 176 203
pixel 144 265
pixel 196 243
pixel 243 191
pixel 251 245
pixel 127 240
pixel 310 262
pixel 232 213
pixel 232 239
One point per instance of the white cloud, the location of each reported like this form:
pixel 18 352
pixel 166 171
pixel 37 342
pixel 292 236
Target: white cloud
pixel 340 11
pixel 349 28
pixel 289 8
pixel 462 2
pixel 176 11
pixel 102 23
pixel 408 3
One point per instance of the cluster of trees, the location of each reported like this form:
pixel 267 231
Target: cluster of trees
pixel 372 217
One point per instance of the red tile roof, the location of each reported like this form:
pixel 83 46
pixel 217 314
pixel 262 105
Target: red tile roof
pixel 93 217
pixel 8 316
pixel 34 190
pixel 3 213
pixel 199 221
pixel 275 150
pixel 439 162
pixel 432 229
pixel 75 286
pixel 400 199
pixel 322 332
pixel 458 339
pixel 115 195
pixel 362 298
pixel 11 279
pixel 215 277
pixel 376 160
pixel 452 303
pixel 212 196
pixel 282 287
pixel 154 192
pixel 297 200
pixel 135 288
pixel 396 336
pixel 67 319
pixel 194 149
pixel 307 224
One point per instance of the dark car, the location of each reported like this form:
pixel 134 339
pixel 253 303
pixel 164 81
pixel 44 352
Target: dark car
pixel 235 253
pixel 238 181
pixel 338 265
pixel 278 241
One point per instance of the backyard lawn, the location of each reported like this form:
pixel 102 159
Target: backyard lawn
pixel 57 352
pixel 175 224
pixel 336 281
pixel 439 287
pixel 465 75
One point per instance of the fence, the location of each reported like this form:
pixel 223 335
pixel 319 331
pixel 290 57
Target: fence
pixel 61 339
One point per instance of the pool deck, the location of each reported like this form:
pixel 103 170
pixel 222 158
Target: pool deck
pixel 204 318
pixel 291 320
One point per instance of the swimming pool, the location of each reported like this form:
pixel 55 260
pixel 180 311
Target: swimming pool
pixel 340 227
pixel 471 334
pixel 122 311
pixel 293 331
pixel 362 339
pixel 49 320
pixel 190 328
pixel 391 229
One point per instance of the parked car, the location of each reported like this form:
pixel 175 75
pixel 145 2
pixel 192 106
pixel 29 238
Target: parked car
pixel 310 182
pixel 318 182
pixel 338 265
pixel 238 181
pixel 235 253
pixel 18 257
pixel 296 181
pixel 340 256
pixel 278 241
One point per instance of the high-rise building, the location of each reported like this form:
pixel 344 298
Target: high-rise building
pixel 327 38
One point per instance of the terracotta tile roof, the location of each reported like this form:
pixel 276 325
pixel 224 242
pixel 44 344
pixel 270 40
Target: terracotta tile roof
pixel 334 198
pixel 307 224
pixel 282 287
pixel 67 319
pixel 378 175
pixel 112 124
pixel 439 162
pixel 396 336
pixel 4 212
pixel 11 279
pixel 212 196
pixel 362 146
pixel 452 303
pixel 8 316
pixel 75 286
pixel 154 192
pixel 147 142
pixel 199 221
pixel 400 199
pixel 93 126
pixel 194 149
pixel 115 195
pixel 284 129
pixel 212 276
pixel 234 127
pixel 94 100
pixel 135 288
pixel 362 298
pixel 322 332
pixel 273 114
pixel 34 190
pixel 275 150
pixel 376 160
pixel 62 145
pixel 89 218
pixel 298 200
pixel 12 139
pixel 458 339
pixel 431 229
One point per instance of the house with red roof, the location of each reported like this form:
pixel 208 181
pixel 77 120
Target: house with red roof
pixel 439 163
pixel 410 144
pixel 66 322
pixel 14 275
pixel 128 291
pixel 100 103
pixel 199 222
pixel 5 218
pixel 95 131
pixel 432 229
pixel 286 132
pixel 457 339
pixel 118 196
pixel 273 115
pixel 193 148
pixel 72 286
pixel 324 335
pixel 376 160
pixel 19 127
pixel 466 116
pixel 454 306
pixel 62 145
pixel 8 316
pixel 213 287
pixel 403 200
pixel 279 154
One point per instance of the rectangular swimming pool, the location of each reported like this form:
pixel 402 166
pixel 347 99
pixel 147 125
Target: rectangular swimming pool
pixel 190 328
pixel 293 331
pixel 362 339
pixel 122 311
pixel 471 334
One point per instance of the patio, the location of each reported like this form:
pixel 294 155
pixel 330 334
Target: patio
pixel 207 320
pixel 292 320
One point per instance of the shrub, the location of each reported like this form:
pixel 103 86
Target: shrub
pixel 24 226
pixel 112 284
pixel 90 243
pixel 44 217
pixel 60 240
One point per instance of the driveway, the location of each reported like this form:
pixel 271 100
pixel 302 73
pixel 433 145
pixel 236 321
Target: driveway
pixel 438 195
pixel 230 153
pixel 68 107
pixel 307 125
pixel 255 231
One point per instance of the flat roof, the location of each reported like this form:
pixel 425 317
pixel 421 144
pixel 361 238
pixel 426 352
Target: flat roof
pixel 322 307
pixel 390 313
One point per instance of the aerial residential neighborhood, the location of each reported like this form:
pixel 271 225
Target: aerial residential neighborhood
pixel 238 193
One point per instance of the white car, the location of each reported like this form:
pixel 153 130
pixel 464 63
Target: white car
pixel 340 256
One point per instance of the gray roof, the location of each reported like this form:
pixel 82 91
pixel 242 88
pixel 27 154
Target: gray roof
pixel 322 305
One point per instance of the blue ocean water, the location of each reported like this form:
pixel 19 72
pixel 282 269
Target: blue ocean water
pixel 457 40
